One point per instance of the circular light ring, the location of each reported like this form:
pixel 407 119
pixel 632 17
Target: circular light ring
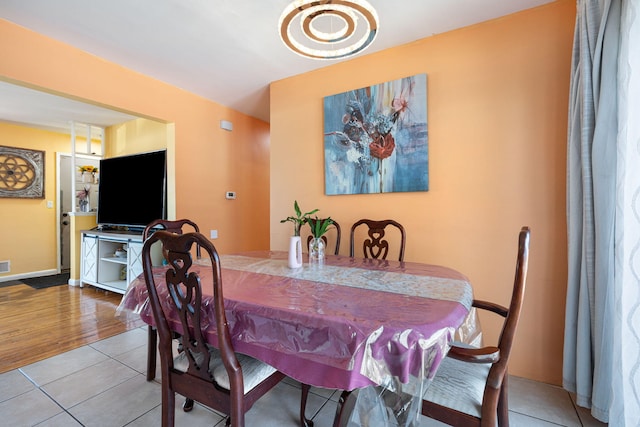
pixel 348 20
pixel 308 10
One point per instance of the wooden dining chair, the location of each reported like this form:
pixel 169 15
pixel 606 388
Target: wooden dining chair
pixel 335 226
pixel 176 227
pixel 214 376
pixel 470 386
pixel 375 246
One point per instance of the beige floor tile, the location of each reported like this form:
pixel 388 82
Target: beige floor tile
pixel 281 407
pixel 585 415
pixel 542 401
pixel 520 420
pixel 200 416
pixel 327 393
pixel 64 364
pixel 122 343
pixel 13 384
pixel 61 420
pixel 324 418
pixel 119 405
pixel 137 359
pixel 28 409
pixel 83 385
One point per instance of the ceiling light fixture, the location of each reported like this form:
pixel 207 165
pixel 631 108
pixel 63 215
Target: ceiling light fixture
pixel 328 29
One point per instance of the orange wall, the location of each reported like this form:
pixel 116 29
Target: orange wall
pixel 208 160
pixel 497 114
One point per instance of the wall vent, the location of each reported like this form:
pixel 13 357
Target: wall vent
pixel 5 266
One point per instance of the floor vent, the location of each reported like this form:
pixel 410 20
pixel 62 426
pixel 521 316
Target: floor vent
pixel 5 266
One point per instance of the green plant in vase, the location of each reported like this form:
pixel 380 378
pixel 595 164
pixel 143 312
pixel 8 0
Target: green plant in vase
pixel 295 245
pixel 299 220
pixel 318 228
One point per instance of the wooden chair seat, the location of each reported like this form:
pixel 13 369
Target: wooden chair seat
pixel 253 371
pixel 459 385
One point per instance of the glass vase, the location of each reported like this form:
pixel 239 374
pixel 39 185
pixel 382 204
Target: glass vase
pixel 316 248
pixel 84 204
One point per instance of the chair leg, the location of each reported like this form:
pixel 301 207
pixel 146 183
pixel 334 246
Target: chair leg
pixel 346 403
pixel 304 421
pixel 503 404
pixel 152 345
pixel 187 406
pixel 168 407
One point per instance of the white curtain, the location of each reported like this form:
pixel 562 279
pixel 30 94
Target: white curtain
pixel 602 326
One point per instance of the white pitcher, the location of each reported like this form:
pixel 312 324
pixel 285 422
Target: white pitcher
pixel 295 252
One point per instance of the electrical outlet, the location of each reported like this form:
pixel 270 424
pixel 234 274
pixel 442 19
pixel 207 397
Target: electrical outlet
pixel 230 195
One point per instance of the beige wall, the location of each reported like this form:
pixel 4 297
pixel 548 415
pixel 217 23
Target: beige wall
pixel 208 160
pixel 497 113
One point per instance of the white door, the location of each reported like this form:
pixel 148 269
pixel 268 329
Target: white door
pixel 66 200
pixel 64 207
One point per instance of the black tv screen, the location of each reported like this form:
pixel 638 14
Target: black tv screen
pixel 132 190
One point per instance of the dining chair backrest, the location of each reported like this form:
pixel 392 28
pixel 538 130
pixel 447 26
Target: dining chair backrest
pixel 335 226
pixel 211 376
pixel 470 387
pixel 174 226
pixel 374 245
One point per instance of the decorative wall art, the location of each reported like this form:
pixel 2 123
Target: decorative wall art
pixel 375 138
pixel 21 173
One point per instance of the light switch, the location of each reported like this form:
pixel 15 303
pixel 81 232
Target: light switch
pixel 49 204
pixel 214 234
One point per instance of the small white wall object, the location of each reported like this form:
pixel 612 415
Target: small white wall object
pixel 226 125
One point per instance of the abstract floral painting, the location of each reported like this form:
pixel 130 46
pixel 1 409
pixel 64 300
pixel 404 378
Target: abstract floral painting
pixel 376 139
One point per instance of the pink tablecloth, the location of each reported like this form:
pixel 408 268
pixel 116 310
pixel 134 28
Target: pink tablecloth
pixel 345 324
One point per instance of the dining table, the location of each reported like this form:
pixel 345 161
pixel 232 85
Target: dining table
pixel 339 323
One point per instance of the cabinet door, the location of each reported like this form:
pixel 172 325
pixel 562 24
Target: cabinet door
pixel 134 260
pixel 89 263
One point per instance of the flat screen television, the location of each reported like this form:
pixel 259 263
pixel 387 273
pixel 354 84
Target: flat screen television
pixel 132 190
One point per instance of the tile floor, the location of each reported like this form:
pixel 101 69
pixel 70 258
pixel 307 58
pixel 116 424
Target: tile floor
pixel 103 384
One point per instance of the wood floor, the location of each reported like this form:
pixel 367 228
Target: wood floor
pixel 37 324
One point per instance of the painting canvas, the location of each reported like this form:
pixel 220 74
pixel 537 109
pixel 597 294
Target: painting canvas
pixel 376 139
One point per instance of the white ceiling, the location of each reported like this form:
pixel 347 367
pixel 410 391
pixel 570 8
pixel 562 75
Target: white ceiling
pixel 227 51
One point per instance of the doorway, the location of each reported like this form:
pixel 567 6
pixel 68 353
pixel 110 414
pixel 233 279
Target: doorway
pixel 66 200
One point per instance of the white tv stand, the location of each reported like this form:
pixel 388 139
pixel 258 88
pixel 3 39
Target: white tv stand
pixel 100 267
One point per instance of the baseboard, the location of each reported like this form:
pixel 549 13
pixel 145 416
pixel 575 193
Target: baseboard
pixel 29 275
pixel 75 282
